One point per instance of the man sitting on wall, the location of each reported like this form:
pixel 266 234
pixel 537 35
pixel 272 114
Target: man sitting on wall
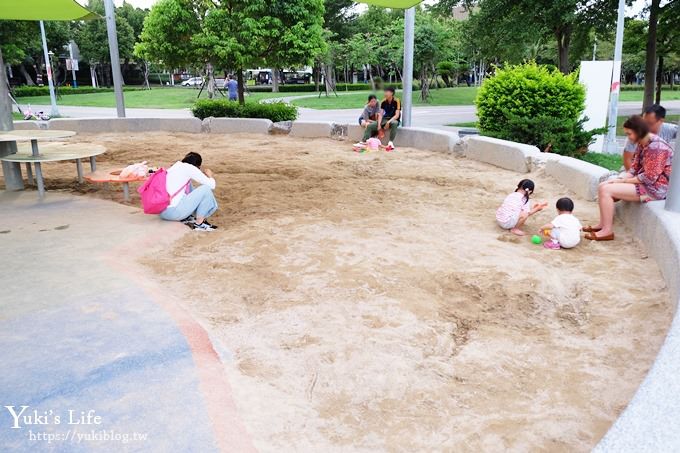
pixel 391 114
pixel 655 117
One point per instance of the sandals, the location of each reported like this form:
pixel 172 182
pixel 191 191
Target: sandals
pixel 593 237
pixel 590 229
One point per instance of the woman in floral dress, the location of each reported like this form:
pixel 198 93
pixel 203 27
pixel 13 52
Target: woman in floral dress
pixel 646 181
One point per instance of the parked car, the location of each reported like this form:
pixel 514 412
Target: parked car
pixel 193 82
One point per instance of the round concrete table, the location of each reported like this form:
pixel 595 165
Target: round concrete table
pixel 34 136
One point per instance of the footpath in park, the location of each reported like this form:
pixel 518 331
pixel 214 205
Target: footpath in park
pixel 101 358
pixel 423 116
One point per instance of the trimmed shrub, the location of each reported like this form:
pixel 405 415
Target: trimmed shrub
pixel 535 105
pixel 222 108
pixel 29 91
pixel 311 88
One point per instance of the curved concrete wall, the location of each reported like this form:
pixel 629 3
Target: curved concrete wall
pixel 650 422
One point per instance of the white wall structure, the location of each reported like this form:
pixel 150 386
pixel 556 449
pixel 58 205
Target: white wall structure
pixel 597 77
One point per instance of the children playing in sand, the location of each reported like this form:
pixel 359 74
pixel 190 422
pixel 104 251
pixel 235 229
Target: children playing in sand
pixel 372 144
pixel 565 229
pixel 517 208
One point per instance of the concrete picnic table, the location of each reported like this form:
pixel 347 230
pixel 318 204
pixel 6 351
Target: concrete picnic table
pixel 50 152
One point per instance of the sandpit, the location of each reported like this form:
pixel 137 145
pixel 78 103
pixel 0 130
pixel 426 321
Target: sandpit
pixel 369 302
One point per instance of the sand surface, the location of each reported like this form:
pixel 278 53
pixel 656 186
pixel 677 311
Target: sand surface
pixel 370 302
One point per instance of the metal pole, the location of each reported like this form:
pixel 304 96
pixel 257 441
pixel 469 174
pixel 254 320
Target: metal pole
pixel 48 64
pixel 73 69
pixel 115 58
pixel 409 26
pixel 673 196
pixel 610 142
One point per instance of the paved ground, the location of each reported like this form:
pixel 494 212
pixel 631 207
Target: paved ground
pixel 81 331
pixel 422 116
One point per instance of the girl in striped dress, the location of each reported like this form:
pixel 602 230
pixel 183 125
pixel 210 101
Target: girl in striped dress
pixel 517 208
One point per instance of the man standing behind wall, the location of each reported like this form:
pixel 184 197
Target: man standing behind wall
pixel 391 107
pixel 232 87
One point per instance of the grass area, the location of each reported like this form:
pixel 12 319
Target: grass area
pixel 622 119
pixel 17 116
pixel 464 124
pixel 666 95
pixel 159 98
pixel 178 97
pixel 356 100
pixel 608 161
pixel 439 97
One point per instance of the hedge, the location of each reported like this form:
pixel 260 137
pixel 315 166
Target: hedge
pixel 28 91
pixel 642 88
pixel 535 105
pixel 311 88
pixel 222 108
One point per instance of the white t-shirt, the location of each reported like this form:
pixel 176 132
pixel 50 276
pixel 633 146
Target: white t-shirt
pixel 178 175
pixel 569 230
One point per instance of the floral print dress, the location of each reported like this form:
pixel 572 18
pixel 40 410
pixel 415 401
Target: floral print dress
pixel 652 164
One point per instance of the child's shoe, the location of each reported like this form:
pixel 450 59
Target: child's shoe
pixel 552 245
pixel 389 147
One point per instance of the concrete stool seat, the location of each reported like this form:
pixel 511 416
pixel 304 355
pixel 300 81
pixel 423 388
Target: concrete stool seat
pixel 54 152
pixel 113 176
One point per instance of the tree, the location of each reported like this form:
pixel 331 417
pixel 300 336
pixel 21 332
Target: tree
pixel 662 26
pixel 93 40
pixel 239 33
pixel 559 19
pixel 167 35
pixel 21 43
pixel 290 33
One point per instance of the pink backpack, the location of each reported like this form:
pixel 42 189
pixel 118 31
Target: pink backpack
pixel 154 193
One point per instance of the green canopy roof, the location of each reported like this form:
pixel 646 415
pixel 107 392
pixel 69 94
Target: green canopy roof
pixel 398 4
pixel 44 10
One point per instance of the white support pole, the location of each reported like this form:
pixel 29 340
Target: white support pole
pixel 673 196
pixel 11 170
pixel 48 65
pixel 115 57
pixel 73 69
pixel 610 142
pixel 407 85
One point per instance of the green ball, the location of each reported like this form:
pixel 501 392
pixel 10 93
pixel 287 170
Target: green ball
pixel 536 239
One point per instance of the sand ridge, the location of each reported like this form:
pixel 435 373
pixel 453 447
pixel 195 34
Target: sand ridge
pixel 369 302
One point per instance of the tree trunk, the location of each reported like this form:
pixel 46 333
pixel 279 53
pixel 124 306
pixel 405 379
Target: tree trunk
pixel 146 75
pixel 27 76
pixel 239 79
pixel 563 42
pixel 424 85
pixel 650 64
pixel 317 76
pixel 275 80
pixel 659 83
pixel 370 75
pixel 211 80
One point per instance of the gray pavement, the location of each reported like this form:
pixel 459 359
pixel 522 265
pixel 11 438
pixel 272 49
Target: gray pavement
pixel 83 330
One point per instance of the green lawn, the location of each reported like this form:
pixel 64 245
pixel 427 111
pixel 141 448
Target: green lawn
pixel 17 116
pixel 160 98
pixel 608 161
pixel 463 124
pixel 443 96
pixel 622 119
pixel 177 97
pixel 666 95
